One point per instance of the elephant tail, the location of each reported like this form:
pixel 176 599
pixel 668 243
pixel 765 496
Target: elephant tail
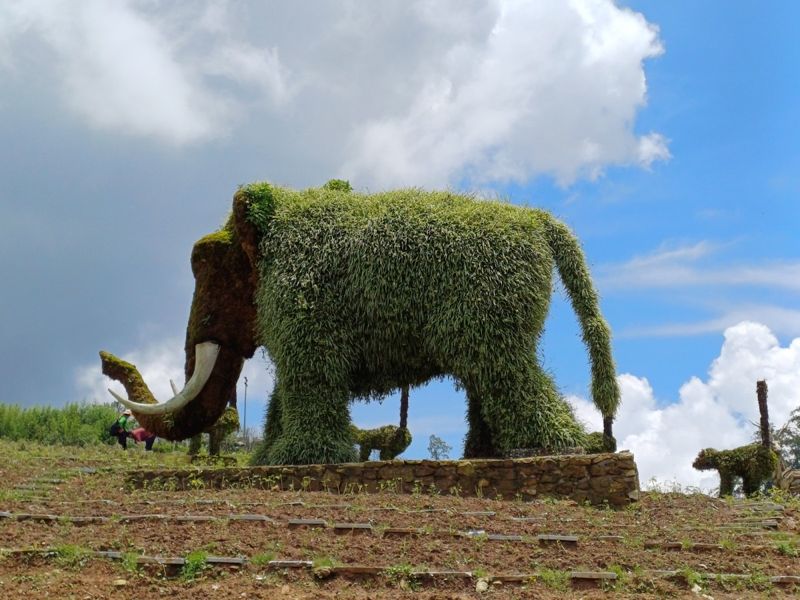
pixel 574 273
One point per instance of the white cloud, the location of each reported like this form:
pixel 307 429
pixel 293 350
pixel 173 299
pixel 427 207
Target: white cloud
pixel 677 267
pixel 777 318
pixel 414 93
pixel 553 88
pixel 125 69
pixel 687 267
pixel 717 412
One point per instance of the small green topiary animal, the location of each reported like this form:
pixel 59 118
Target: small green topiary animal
pixel 597 442
pixel 389 440
pixel 753 463
pixel 227 424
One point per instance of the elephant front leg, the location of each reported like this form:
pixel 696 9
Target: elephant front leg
pixel 725 483
pixel 750 485
pixel 315 426
pixel 195 443
pixel 215 440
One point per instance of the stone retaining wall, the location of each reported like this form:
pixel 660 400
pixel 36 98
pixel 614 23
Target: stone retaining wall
pixel 596 478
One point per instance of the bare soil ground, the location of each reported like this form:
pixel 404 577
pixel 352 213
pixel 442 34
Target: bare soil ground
pixel 412 539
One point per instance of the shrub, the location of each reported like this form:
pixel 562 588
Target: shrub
pixel 75 424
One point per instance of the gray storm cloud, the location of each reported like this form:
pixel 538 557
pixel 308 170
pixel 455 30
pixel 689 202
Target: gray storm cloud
pixel 134 120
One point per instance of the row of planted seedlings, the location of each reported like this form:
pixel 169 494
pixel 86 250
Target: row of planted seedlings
pixel 478 538
pixel 601 524
pixel 403 574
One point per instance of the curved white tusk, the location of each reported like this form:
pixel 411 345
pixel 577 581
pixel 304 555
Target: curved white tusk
pixel 205 357
pixel 174 387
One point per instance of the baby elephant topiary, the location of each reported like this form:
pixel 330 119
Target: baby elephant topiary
pixel 597 442
pixel 753 463
pixel 227 424
pixel 389 440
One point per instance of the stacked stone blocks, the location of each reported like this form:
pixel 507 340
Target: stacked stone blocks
pixel 595 478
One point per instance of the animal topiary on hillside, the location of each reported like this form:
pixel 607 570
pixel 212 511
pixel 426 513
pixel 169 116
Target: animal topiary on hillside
pixel 390 441
pixel 754 463
pixel 227 424
pixel 356 295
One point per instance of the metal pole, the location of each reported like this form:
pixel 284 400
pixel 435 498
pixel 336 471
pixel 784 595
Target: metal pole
pixel 245 413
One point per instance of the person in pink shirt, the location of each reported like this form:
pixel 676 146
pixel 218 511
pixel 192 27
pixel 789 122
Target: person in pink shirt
pixel 140 434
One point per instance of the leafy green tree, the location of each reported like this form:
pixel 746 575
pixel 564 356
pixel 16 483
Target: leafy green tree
pixel 74 424
pixel 438 448
pixel 787 440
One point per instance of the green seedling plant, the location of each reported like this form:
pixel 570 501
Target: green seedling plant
pixel 727 544
pixel 554 579
pixel 620 581
pixel 71 556
pixel 787 549
pixel 130 562
pixel 196 563
pixel 402 576
pixel 692 577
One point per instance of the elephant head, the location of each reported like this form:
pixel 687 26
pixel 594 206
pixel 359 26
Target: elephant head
pixel 220 335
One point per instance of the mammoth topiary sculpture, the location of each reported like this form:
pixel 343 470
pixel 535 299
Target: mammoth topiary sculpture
pixel 356 295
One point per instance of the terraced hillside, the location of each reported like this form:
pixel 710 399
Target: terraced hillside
pixel 69 528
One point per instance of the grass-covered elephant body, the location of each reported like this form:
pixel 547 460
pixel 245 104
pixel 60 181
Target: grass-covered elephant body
pixel 356 295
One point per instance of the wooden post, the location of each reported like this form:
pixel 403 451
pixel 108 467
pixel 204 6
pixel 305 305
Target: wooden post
pixel 403 406
pixel 761 392
pixel 607 426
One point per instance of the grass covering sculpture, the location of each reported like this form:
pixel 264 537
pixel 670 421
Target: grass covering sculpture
pixel 356 295
pixel 226 425
pixel 390 441
pixel 754 463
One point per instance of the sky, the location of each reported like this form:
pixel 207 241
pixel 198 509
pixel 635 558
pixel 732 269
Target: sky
pixel 663 133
